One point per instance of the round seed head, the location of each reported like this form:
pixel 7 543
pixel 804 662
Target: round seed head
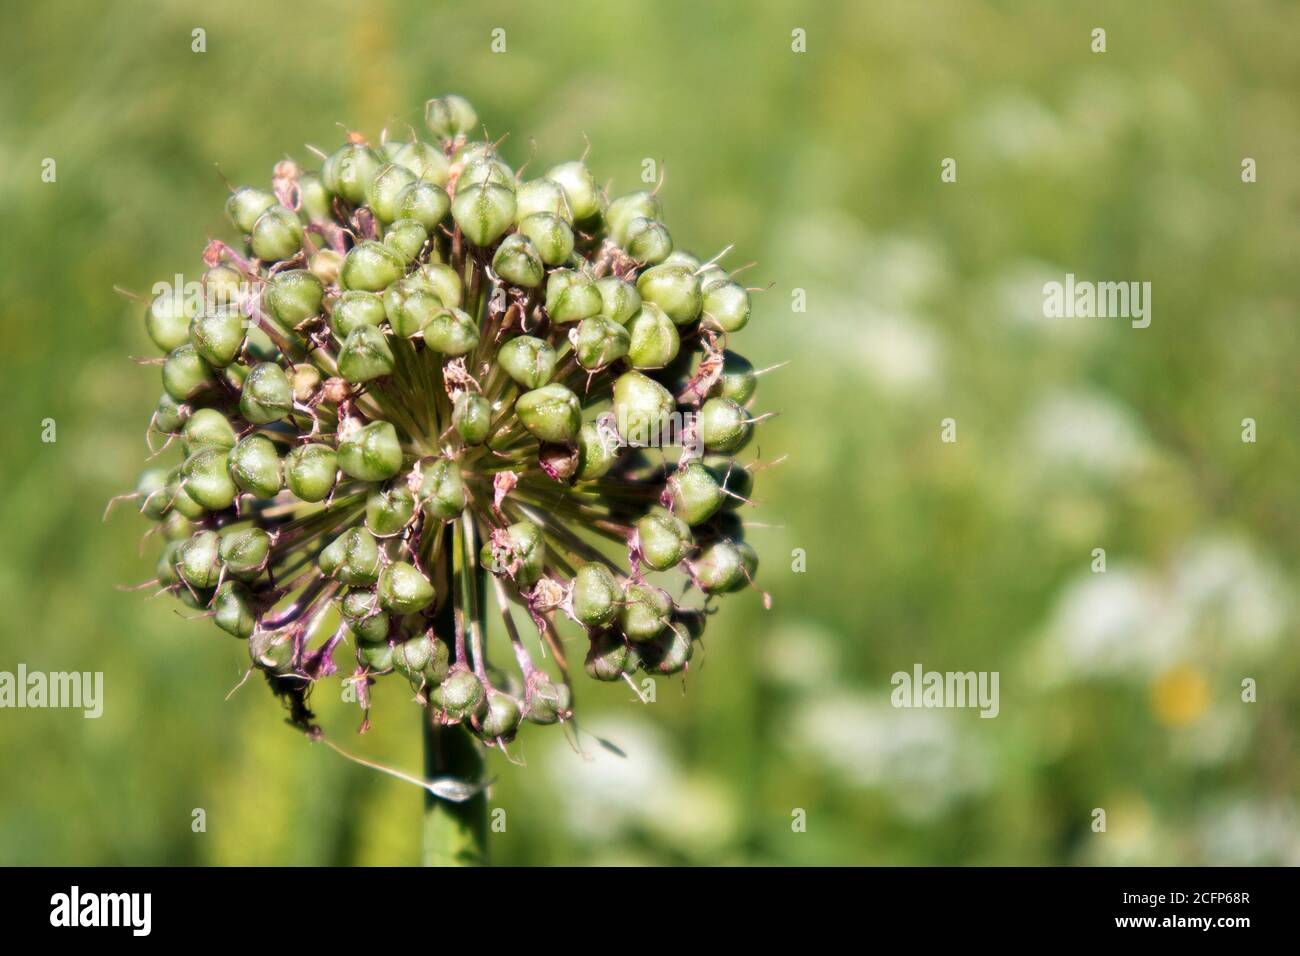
pixel 571 296
pixel 451 332
pixel 619 300
pixel 645 612
pixel 664 539
pixel 245 552
pixel 371 266
pixel 245 205
pixel 293 297
pixel 365 355
pixel 277 235
pixel 449 116
pixel 207 479
pixel 255 467
pixel 267 395
pixel 356 308
pixel 552 413
pixel 389 509
pixel 579 188
pixel 352 558
pixel 442 490
pixel 518 262
pixel 596 596
pixel 403 589
pixel 598 341
pixel 472 417
pixel 425 201
pixel 310 470
pixel 348 171
pixel 550 236
pixel 372 453
pixel 654 341
pixel 528 360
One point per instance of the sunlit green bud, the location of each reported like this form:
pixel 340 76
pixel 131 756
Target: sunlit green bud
pixel 310 470
pixel 294 296
pixel 528 360
pixel 389 510
pixel 680 257
pixel 696 494
pixel 664 538
pixel 648 241
pixel 365 355
pixel 406 237
pixel 178 499
pixel 207 479
pixel 185 375
pixel 625 210
pixel 451 332
pixel 668 653
pixel 169 415
pixel 472 152
pixel 403 589
pixel 675 289
pixel 349 169
pixel 449 116
pixel 271 651
pixel 168 321
pixel 571 296
pixel 245 205
pixel 151 493
pixel 383 189
pixel 542 195
pixel 325 265
pixel 459 697
pixel 483 211
pixel 221 287
pixel 654 338
pixel 258 346
pixel 218 336
pixel 315 200
pixel 738 380
pixel 483 169
pixel 371 266
pixel 255 466
pixel 723 425
pixel 551 413
pixel 599 341
pixel 546 701
pixel 410 305
pixel 518 262
pixel 208 428
pixel 376 657
pixel 365 618
pixel 718 568
pixel 579 186
pixel 422 657
pixel 424 202
pixel 267 395
pixel 597 451
pixel 352 558
pixel 427 162
pixel 245 552
pixel 233 610
pixel 619 300
pixel 372 453
pixel 276 235
pixel 596 595
pixel 641 408
pixel 501 716
pixel 304 379
pixel 443 281
pixel 442 490
pixel 726 306
pixel 610 657
pixel 356 308
pixel 645 611
pixel 550 236
pixel 198 560
pixel 521 555
pixel 472 417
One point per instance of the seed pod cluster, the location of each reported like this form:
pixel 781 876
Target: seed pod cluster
pixel 422 386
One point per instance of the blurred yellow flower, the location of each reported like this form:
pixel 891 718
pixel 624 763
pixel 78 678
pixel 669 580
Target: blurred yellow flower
pixel 1179 696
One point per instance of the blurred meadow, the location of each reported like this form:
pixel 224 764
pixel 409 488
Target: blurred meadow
pixel 1120 690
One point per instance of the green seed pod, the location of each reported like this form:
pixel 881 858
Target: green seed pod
pixel 403 589
pixel 245 552
pixel 365 618
pixel 486 169
pixel 624 210
pixel 325 265
pixel 365 355
pixel 410 305
pixel 610 657
pixel 596 596
pixel 258 346
pixel 356 308
pixel 571 296
pixel 427 162
pixel 668 653
pixel 175 526
pixel 207 479
pixel 168 321
pixel 198 560
pixel 675 289
pixel 551 413
pixel 151 492
pixel 641 408
pixel 178 499
pixel 680 257
pixel 665 539
pixel 451 332
pixel 724 425
pixel 371 266
pixel 164 568
pixel 483 212
pixel 598 450
pixel 271 651
pixel 267 395
pixel 233 610
pixel 424 660
pixel 371 453
pixel 619 300
pixel 316 203
pixel 406 237
pixel 459 697
pixel 520 553
pixel 546 702
pixel 376 657
pixel 472 416
pixel 579 187
pixel 550 236
pixel 738 381
pixel 654 339
pixel 444 283
pixel 645 612
pixel 518 262
pixel 718 568
pixel 696 494
pixel 349 169
pixel 169 415
pixel 648 241
pixel 185 375
pixel 542 195
pixel 245 205
pixel 218 336
pixel 352 558
pixel 389 510
pixel 442 490
pixel 425 202
pixel 208 428
pixel 383 189
pixel 449 116
pixel 277 235
pixel 222 286
pixel 255 466
pixel 726 306
pixel 501 716
pixel 599 341
pixel 310 471
pixel 528 360
pixel 293 297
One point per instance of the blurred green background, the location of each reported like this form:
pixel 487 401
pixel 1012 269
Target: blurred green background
pixel 1119 691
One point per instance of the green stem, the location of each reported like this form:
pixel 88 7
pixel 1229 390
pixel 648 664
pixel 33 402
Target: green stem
pixel 455 834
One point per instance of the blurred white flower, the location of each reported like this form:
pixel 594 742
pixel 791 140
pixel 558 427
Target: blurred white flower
pixel 1249 831
pixel 800 654
pixel 1089 432
pixel 1014 126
